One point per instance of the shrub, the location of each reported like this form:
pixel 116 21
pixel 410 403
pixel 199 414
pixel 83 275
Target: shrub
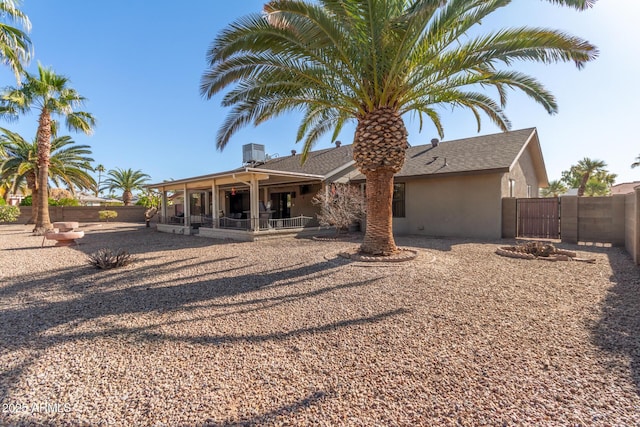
pixel 106 258
pixel 65 202
pixel 107 215
pixel 9 213
pixel 2 202
pixel 28 201
pixel 150 200
pixel 341 206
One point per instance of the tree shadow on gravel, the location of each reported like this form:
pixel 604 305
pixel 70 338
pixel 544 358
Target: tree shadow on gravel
pixel 81 295
pixel 133 239
pixel 272 416
pixel 618 330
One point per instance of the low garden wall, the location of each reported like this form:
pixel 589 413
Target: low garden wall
pixel 86 213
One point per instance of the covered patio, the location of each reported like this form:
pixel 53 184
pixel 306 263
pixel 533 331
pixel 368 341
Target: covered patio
pixel 242 204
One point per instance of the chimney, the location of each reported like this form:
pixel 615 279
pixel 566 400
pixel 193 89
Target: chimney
pixel 338 143
pixel 435 142
pixel 293 152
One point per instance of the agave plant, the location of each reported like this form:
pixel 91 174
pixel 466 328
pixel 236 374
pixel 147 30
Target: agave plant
pixel 106 258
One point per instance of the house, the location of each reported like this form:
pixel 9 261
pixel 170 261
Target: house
pixel 624 188
pixel 90 200
pixel 451 188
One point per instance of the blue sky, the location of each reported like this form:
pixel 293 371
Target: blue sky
pixel 139 64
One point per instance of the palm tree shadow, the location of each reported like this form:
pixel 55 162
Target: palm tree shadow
pixel 617 331
pixel 272 416
pixel 26 323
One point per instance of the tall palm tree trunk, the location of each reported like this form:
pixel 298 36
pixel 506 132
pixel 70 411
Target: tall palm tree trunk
pixel 127 197
pixel 379 148
pixel 43 222
pixel 378 238
pixel 32 184
pixel 583 184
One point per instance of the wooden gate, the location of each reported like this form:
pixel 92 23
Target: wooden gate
pixel 539 217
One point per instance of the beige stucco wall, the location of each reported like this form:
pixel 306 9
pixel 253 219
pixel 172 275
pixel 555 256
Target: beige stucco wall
pixel 459 206
pixel 523 172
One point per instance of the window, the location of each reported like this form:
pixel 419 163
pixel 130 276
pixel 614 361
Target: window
pixel 398 200
pixel 512 187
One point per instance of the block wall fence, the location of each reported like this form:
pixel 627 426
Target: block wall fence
pixel 612 219
pixel 86 213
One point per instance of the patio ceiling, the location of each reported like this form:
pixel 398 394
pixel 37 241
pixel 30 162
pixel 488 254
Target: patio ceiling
pixel 236 178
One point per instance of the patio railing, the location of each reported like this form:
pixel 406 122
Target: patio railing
pixel 243 224
pixel 297 222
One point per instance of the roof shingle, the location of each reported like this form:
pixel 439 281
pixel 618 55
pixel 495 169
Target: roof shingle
pixel 480 153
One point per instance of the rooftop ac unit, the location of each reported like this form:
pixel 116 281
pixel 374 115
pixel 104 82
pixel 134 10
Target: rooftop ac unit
pixel 253 153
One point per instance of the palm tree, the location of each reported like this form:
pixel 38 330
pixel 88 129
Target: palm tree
pixel 578 4
pixel 127 181
pixel 636 163
pixel 585 169
pixel 49 94
pixel 69 162
pixel 596 187
pixel 374 61
pixel 15 45
pixel 554 189
pixel 100 169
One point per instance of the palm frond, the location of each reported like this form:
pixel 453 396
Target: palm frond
pixel 337 60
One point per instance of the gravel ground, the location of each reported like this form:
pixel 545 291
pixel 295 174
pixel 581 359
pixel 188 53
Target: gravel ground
pixel 285 332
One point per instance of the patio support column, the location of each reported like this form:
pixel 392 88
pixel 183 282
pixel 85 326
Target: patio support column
pixel 163 212
pixel 187 207
pixel 206 204
pixel 326 193
pixel 254 194
pixel 215 199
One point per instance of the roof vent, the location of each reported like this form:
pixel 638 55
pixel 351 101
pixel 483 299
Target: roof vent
pixel 435 142
pixel 293 152
pixel 253 153
pixel 338 143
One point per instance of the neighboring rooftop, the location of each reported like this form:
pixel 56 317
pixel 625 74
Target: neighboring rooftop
pixel 624 188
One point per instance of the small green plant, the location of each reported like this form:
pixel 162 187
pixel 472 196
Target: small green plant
pixel 150 200
pixel 106 258
pixel 2 202
pixel 27 201
pixel 107 215
pixel 9 213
